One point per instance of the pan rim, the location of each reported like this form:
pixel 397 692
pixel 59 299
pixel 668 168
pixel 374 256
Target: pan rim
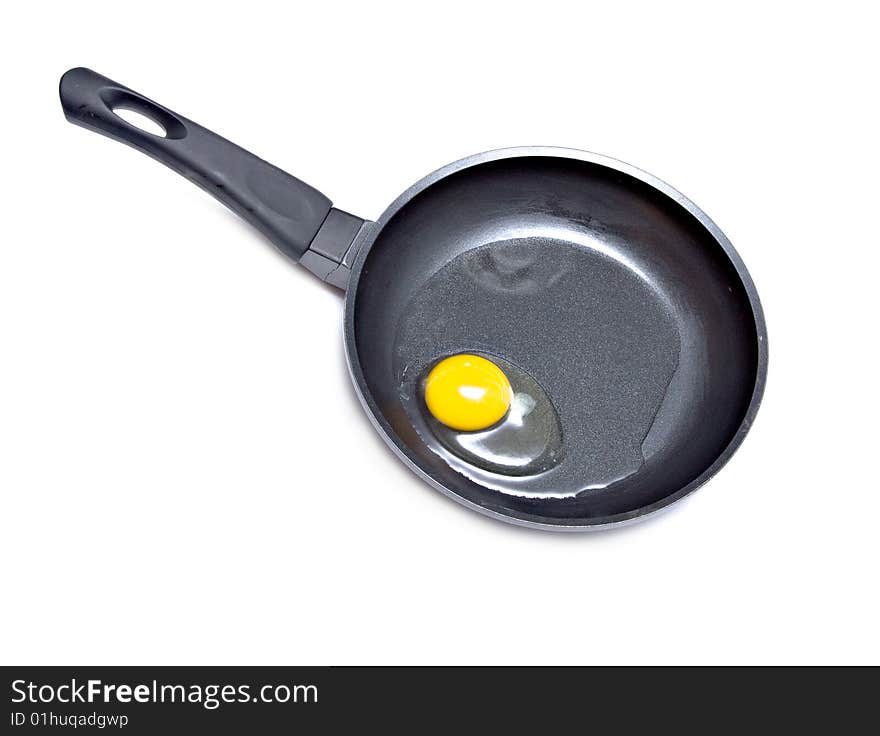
pixel 399 448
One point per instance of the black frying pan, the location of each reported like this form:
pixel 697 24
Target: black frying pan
pixel 610 292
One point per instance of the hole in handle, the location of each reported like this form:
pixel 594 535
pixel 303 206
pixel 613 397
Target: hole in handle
pixel 139 120
pixel 142 113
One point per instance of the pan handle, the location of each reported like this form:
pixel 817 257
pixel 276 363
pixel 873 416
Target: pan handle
pixel 287 211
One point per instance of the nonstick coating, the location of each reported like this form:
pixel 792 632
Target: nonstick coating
pixel 612 290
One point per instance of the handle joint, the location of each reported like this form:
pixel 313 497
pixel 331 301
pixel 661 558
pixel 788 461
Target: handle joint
pixel 334 247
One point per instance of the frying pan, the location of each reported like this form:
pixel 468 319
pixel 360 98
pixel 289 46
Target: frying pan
pixel 604 285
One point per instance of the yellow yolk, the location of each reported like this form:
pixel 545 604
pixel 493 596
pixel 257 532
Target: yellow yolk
pixel 467 392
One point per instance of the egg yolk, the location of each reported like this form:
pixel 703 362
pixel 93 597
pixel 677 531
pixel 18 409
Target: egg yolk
pixel 467 392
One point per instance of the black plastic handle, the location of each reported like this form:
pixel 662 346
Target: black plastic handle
pixel 286 210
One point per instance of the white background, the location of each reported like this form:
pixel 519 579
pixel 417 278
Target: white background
pixel 186 475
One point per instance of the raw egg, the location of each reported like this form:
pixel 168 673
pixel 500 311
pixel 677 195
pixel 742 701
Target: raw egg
pixel 467 392
pixel 490 414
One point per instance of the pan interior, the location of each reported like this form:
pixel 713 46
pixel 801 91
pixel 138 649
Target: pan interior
pixel 611 295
